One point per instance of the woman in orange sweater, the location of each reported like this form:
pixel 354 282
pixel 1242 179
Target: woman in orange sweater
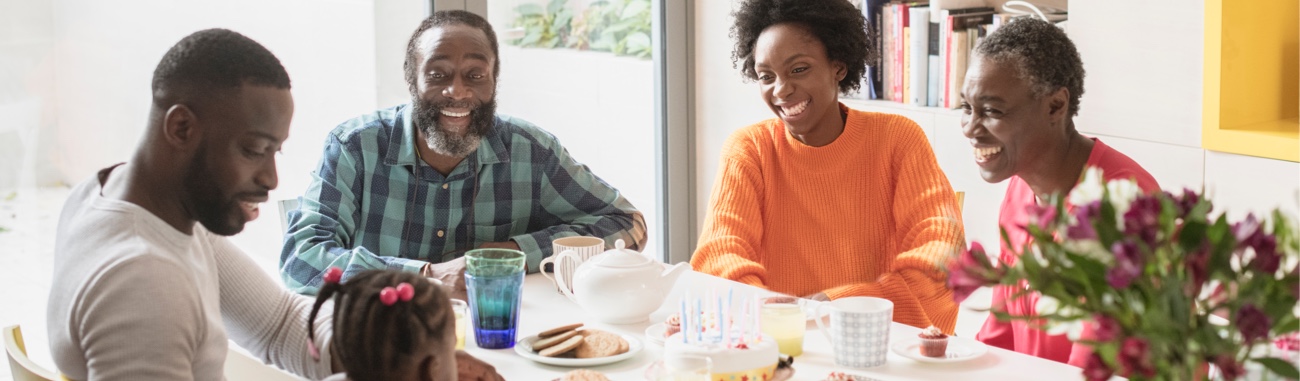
pixel 825 201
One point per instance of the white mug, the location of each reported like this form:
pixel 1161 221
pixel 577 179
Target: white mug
pixel 582 247
pixel 859 330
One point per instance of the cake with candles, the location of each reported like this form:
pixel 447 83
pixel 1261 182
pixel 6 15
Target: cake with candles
pixel 728 335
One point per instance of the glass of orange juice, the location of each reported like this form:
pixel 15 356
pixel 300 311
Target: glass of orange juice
pixel 462 321
pixel 782 318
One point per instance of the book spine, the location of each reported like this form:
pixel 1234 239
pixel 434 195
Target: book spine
pixel 919 65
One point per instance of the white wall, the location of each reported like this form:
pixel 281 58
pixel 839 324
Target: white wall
pixel 1144 96
pixel 724 100
pixel 104 54
pixel 395 20
pixel 26 93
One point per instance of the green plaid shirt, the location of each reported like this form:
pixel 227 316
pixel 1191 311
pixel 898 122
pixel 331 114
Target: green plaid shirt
pixel 373 205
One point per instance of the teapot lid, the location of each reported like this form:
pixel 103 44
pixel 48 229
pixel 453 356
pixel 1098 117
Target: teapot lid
pixel 620 256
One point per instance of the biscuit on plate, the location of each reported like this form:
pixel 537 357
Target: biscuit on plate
pixel 600 344
pixel 584 375
pixel 548 342
pixel 564 347
pixel 559 330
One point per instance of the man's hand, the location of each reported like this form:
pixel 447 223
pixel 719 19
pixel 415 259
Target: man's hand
pixel 469 368
pixel 452 275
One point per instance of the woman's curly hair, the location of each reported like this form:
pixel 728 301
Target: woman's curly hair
pixel 836 23
pixel 1042 53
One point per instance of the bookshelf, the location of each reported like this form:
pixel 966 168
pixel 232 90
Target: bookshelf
pixel 1252 79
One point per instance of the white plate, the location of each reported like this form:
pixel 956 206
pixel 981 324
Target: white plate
pixel 655 333
pixel 525 348
pixel 959 349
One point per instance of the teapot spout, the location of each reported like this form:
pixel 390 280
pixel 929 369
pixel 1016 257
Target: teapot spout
pixel 670 275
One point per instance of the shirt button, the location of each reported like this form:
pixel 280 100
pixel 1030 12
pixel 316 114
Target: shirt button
pixel 444 186
pixel 440 233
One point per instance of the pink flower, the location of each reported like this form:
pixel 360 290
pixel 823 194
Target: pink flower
pixel 1253 323
pixel 1229 367
pixel 1266 258
pixel 1288 342
pixel 970 271
pixel 1198 263
pixel 1128 264
pixel 1106 328
pixel 1143 219
pixel 1186 202
pixel 1095 369
pixel 1042 216
pixel 1084 215
pixel 1245 229
pixel 1133 357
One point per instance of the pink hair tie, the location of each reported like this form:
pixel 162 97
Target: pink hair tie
pixel 311 349
pixel 333 275
pixel 388 296
pixel 405 292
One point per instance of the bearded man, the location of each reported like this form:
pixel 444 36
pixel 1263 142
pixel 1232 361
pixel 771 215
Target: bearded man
pixel 414 186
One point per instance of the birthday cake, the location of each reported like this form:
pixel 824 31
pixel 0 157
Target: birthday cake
pixel 731 340
pixel 753 361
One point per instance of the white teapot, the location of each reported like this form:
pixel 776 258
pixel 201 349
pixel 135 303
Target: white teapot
pixel 619 286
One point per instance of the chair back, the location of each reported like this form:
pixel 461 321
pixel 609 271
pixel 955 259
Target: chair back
pixel 285 206
pixel 23 368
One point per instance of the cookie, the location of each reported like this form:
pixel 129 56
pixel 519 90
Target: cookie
pixel 561 348
pixel 559 330
pixel 600 344
pixel 548 342
pixel 584 375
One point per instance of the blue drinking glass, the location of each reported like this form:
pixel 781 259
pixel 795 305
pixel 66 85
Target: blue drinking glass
pixel 495 281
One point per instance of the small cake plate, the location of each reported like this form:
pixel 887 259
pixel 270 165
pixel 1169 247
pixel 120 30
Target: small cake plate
pixel 959 349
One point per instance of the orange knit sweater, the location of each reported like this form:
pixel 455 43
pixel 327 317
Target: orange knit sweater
pixel 870 214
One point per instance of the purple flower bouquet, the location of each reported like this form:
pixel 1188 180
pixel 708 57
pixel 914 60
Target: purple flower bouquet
pixel 1168 289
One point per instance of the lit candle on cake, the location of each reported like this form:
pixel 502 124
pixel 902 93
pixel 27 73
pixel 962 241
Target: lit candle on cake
pixel 681 317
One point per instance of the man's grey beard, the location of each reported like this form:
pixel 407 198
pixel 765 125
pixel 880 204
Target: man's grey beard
pixel 481 120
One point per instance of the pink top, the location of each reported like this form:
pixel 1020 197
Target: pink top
pixel 1018 335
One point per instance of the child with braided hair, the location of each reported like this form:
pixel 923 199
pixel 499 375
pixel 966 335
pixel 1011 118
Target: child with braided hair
pixel 389 325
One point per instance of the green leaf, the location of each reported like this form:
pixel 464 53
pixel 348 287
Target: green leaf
pixel 638 41
pixel 1193 235
pixel 605 43
pixel 555 6
pixel 561 21
pixel 620 27
pixel 530 38
pixel 634 8
pixel 529 9
pixel 1287 324
pixel 1278 366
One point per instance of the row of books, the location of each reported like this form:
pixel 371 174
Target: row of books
pixel 924 48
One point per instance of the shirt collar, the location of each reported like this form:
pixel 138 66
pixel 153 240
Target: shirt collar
pixel 401 144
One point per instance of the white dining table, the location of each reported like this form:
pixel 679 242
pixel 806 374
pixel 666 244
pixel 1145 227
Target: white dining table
pixel 543 308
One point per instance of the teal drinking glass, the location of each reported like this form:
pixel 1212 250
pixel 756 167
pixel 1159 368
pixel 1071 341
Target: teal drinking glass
pixel 495 281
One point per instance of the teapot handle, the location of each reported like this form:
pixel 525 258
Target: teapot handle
pixel 564 284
